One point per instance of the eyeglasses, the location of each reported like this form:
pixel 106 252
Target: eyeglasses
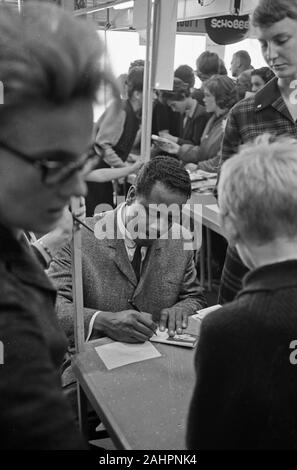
pixel 53 170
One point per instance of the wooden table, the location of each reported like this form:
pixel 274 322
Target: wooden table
pixel 142 405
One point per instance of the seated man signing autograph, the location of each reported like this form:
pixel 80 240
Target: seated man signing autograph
pixel 137 270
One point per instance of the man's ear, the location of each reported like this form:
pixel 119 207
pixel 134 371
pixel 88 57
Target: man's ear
pixel 131 196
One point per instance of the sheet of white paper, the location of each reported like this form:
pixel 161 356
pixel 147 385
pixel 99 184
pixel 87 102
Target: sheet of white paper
pixel 184 339
pixel 119 354
pixel 205 311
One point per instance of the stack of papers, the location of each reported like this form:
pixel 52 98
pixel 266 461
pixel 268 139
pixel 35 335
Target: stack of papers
pixel 200 175
pixel 185 339
pixel 205 311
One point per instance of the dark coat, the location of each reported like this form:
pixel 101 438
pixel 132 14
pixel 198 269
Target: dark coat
pixel 245 394
pixel 34 414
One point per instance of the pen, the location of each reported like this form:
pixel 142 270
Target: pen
pixel 133 305
pixel 82 223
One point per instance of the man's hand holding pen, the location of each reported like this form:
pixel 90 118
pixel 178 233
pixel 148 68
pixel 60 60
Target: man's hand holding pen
pixel 130 326
pixel 134 306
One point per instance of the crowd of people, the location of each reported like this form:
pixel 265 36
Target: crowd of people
pixel 137 275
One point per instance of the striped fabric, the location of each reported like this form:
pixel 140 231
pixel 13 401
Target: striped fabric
pixel 233 273
pixel 251 117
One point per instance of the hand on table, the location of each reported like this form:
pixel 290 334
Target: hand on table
pixel 174 319
pixel 166 135
pixel 128 326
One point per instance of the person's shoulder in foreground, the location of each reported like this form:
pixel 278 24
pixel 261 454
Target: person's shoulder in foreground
pixel 51 75
pixel 245 394
pixel 34 413
pixel 245 390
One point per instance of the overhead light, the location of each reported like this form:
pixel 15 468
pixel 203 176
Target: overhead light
pixel 123 6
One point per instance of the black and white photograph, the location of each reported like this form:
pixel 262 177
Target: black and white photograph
pixel 148 229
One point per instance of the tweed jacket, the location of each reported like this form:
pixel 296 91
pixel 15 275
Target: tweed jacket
pixel 34 414
pixel 245 394
pixel 168 277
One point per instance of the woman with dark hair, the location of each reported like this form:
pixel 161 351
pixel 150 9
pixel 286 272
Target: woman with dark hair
pixel 259 78
pixel 219 97
pixel 194 116
pixel 186 74
pixel 207 65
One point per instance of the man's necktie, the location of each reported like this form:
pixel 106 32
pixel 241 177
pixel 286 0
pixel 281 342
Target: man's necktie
pixel 136 261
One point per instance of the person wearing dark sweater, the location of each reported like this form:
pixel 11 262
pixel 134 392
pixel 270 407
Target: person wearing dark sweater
pixel 51 74
pixel 245 394
pixel 193 115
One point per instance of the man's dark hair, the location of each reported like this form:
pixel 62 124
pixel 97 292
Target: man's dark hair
pixel 186 74
pixel 244 58
pixel 180 92
pixel 208 64
pixel 269 12
pixel 136 63
pixel 135 80
pixel 166 170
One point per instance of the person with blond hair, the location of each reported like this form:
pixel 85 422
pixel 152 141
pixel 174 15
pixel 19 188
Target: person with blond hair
pixel 245 393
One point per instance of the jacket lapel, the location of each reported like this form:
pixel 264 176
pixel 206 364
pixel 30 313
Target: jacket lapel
pixel 116 244
pixel 119 255
pixel 149 264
